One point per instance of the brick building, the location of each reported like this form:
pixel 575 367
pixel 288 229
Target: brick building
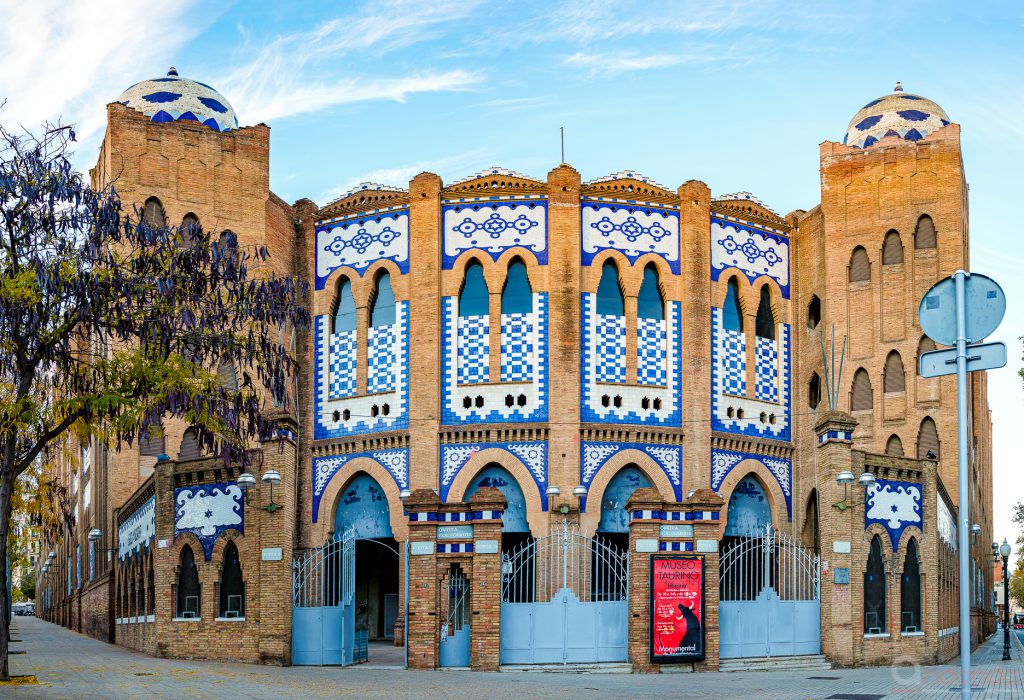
pixel 520 394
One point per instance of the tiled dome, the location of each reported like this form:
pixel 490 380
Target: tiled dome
pixel 910 117
pixel 179 99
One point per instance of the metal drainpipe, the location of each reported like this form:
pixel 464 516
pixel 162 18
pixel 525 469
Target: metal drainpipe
pixel 405 642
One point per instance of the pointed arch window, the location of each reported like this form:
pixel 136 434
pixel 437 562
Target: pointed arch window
pixel 153 213
pixel 226 375
pixel 189 231
pixel 814 312
pixel 732 314
pixel 928 440
pixel 861 396
pixel 894 446
pixel 926 345
pixel 189 448
pixel 860 266
pixel 814 391
pixel 874 589
pixel 892 249
pixel 189 593
pixel 910 590
pixel 474 299
pixel 765 325
pixel 152 445
pixel 649 303
pixel 382 303
pixel 344 307
pixel 924 233
pixel 895 379
pixel 232 587
pixel 609 294
pixel 517 296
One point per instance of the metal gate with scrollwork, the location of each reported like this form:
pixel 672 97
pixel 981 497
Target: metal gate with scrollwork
pixel 769 597
pixel 455 630
pixel 323 604
pixel 564 599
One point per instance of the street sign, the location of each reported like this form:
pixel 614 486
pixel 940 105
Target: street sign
pixel 985 305
pixel 983 356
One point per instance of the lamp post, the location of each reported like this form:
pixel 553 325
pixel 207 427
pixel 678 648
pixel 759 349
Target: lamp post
pixel 1004 552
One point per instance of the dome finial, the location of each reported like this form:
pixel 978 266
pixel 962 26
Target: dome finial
pixel 899 87
pixel 173 72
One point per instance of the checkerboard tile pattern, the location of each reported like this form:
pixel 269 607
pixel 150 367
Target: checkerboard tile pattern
pixel 474 350
pixel 767 370
pixel 652 352
pixel 610 344
pixel 734 363
pixel 381 359
pixel 517 353
pixel 343 365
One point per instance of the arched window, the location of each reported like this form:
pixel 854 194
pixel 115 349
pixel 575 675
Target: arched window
pixel 226 374
pixel 150 588
pixel 814 391
pixel 926 345
pixel 189 448
pixel 152 445
pixel 765 326
pixel 874 589
pixel 517 297
pixel 474 299
pixel 609 295
pixel 894 379
pixel 894 446
pixel 861 397
pixel 924 234
pixel 860 266
pixel 814 312
pixel 811 534
pixel 232 587
pixel 382 303
pixel 892 249
pixel 344 307
pixel 189 592
pixel 649 303
pixel 732 314
pixel 153 213
pixel 928 440
pixel 189 230
pixel 910 590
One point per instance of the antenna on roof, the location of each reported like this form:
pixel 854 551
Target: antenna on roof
pixel 561 131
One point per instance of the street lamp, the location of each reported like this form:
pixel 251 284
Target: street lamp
pixel 845 478
pixel 271 477
pixel 1004 552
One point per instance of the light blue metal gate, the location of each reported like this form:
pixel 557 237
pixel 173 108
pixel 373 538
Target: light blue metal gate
pixel 323 604
pixel 455 630
pixel 769 598
pixel 564 599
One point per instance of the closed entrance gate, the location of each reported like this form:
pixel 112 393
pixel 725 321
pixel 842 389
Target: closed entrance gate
pixel 769 604
pixel 323 604
pixel 455 631
pixel 564 600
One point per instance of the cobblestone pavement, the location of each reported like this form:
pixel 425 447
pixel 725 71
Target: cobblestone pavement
pixel 69 665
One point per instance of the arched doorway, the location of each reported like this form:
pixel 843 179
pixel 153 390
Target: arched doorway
pixel 514 527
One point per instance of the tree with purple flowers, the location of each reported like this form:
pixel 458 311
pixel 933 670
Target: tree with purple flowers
pixel 110 322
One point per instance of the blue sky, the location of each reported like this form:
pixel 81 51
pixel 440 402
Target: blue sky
pixel 737 94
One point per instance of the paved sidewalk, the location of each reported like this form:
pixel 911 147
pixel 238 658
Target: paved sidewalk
pixel 70 665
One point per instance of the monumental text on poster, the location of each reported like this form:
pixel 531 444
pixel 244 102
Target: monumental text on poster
pixel 677 609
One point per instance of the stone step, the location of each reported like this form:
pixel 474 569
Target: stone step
pixel 808 662
pixel 568 668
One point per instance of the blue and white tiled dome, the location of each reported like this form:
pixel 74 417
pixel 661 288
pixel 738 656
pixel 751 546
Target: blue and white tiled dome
pixel 910 117
pixel 173 98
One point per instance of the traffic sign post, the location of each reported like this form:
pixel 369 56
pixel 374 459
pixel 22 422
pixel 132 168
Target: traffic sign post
pixel 962 309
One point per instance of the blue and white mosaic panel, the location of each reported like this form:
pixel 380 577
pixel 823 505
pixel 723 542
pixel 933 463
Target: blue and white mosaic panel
pixel 522 394
pixel 732 411
pixel 474 349
pixel 494 227
pixel 208 510
pixel 395 461
pixel 361 241
pixel 610 349
pixel 533 455
pixel 895 505
pixel 594 455
pixel 651 351
pixel 353 415
pixel 343 364
pixel 767 370
pixel 136 532
pixel 602 384
pixel 750 249
pixel 723 461
pixel 631 230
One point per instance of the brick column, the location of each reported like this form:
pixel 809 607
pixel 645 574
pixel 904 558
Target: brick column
pixel 644 508
pixel 839 526
pixel 422 634
pixel 704 507
pixel 487 505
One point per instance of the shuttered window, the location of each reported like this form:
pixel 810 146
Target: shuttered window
pixel 892 249
pixel 152 445
pixel 926 345
pixel 927 439
pixel 226 375
pixel 924 235
pixel 153 213
pixel 894 447
pixel 189 231
pixel 860 267
pixel 861 398
pixel 765 325
pixel 189 448
pixel 895 379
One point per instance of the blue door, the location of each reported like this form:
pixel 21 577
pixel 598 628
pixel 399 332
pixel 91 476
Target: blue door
pixel 323 604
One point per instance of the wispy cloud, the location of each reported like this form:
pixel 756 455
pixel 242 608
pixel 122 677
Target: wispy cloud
pixel 625 62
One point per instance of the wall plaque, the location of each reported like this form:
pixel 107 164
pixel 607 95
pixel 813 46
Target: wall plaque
pixel 677 530
pixel 454 532
pixel 418 548
pixel 487 546
pixel 647 545
pixel 841 575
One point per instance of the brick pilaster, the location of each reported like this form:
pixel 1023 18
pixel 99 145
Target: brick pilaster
pixel 643 531
pixel 422 634
pixel 485 585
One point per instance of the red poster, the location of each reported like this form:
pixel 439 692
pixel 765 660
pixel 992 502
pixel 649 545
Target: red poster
pixel 677 609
